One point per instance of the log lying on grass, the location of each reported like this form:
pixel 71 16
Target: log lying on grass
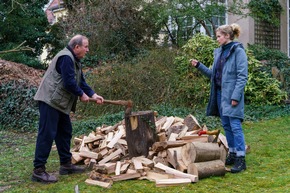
pixel 207 169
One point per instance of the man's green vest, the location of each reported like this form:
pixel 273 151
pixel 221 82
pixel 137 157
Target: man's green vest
pixel 51 89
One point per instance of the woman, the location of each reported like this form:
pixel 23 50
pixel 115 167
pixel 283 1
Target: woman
pixel 228 76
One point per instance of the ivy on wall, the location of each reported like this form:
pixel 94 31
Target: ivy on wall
pixel 266 11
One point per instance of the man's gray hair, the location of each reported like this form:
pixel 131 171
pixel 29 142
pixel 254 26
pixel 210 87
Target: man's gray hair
pixel 76 40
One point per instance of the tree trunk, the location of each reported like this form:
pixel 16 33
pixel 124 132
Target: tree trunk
pixel 140 132
pixel 207 169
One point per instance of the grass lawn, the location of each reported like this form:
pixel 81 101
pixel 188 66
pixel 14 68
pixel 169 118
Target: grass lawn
pixel 268 168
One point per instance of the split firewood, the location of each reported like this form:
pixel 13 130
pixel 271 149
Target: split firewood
pixel 76 157
pixel 145 161
pixel 168 123
pixel 92 164
pixel 124 168
pixel 118 168
pixel 99 183
pixel 173 137
pixel 109 157
pixel 183 132
pixel 91 139
pixel 118 136
pixel 159 123
pixel 191 122
pixel 160 146
pixel 172 182
pixel 153 175
pixel 177 173
pixel 89 154
pixel 126 176
pixel 194 138
pixel 137 164
pixel 175 159
pixel 162 136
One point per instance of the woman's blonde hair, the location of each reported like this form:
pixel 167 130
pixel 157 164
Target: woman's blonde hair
pixel 233 30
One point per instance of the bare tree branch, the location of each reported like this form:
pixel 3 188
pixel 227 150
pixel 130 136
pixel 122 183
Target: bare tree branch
pixel 19 48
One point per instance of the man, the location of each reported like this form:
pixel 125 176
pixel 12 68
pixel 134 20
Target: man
pixel 61 86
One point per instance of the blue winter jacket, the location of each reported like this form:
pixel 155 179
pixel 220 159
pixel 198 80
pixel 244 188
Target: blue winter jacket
pixel 234 79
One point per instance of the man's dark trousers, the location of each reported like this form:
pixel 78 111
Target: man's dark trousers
pixel 53 126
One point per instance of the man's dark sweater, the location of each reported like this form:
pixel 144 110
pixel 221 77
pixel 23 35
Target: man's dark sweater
pixel 65 67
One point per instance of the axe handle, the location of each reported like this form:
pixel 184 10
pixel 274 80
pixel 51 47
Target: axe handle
pixel 117 102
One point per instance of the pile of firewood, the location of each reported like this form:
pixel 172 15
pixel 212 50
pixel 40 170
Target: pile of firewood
pixel 183 152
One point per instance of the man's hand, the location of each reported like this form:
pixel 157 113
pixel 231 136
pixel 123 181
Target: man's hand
pixel 99 98
pixel 84 98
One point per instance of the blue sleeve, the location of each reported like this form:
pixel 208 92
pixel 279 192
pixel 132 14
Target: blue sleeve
pixel 85 87
pixel 65 67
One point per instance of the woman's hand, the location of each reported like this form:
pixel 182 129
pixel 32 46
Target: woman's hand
pixel 234 103
pixel 194 62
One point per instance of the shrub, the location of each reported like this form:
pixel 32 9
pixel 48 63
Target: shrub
pixel 273 58
pixel 146 80
pixel 193 87
pixel 18 109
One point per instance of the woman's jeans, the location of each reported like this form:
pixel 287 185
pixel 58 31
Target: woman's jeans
pixel 233 130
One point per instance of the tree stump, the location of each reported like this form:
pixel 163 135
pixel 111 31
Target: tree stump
pixel 207 169
pixel 140 132
pixel 200 152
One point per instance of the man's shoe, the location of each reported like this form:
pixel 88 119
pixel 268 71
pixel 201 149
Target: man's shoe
pixel 230 160
pixel 240 165
pixel 69 168
pixel 40 175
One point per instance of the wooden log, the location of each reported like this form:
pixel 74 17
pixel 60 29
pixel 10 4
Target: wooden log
pixel 124 168
pixel 173 137
pixel 160 146
pixel 92 163
pixel 183 132
pixel 153 175
pixel 223 139
pixel 174 158
pixel 89 154
pixel 191 122
pixel 99 183
pixel 126 176
pixel 207 169
pixel 193 178
pixel 160 123
pixel 195 138
pixel 118 168
pixel 109 157
pixel 200 152
pixel 140 132
pixel 162 136
pixel 91 139
pixel 172 182
pixel 145 161
pixel 116 137
pixel 137 165
pixel 76 157
pixel 168 123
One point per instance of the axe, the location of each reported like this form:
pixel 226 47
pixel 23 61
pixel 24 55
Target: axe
pixel 128 104
pixel 214 132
